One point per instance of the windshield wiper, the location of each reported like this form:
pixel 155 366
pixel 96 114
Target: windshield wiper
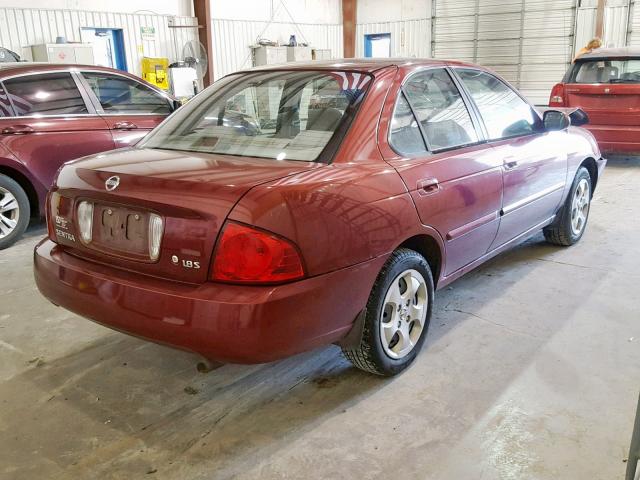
pixel 624 80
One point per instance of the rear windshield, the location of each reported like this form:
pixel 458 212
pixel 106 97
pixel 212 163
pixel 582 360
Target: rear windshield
pixel 607 71
pixel 278 115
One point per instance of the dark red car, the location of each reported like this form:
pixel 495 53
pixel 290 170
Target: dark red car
pixel 50 114
pixel 606 85
pixel 296 206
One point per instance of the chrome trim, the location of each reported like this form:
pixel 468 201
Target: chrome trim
pixel 74 115
pixel 43 72
pixel 135 114
pixel 531 198
pixel 132 77
pixel 471 226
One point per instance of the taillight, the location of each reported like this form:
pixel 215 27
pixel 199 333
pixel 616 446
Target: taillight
pixel 557 96
pixel 50 209
pixel 59 215
pixel 248 255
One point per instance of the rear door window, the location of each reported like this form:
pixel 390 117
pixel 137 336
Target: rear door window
pixel 440 109
pixel 607 71
pixel 405 136
pixel 504 113
pixel 5 104
pixel 122 95
pixel 46 94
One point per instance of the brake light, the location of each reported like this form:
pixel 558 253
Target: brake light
pixel 59 213
pixel 50 209
pixel 557 96
pixel 247 255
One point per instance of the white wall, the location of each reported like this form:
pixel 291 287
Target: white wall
pixel 408 22
pixel 241 23
pixel 22 27
pixel 303 11
pixel 377 11
pixel 162 7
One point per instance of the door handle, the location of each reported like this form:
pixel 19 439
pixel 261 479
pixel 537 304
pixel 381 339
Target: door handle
pixel 17 130
pixel 124 126
pixel 510 163
pixel 427 186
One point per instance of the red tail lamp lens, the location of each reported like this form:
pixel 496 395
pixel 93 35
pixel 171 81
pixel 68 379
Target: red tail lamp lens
pixel 249 255
pixel 557 96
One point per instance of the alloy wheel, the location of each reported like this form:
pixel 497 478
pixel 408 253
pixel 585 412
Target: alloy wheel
pixel 404 313
pixel 580 206
pixel 9 212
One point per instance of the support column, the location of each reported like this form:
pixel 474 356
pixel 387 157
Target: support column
pixel 202 11
pixel 600 20
pixel 349 28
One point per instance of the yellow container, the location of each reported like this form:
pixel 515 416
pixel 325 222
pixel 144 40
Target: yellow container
pixel 155 71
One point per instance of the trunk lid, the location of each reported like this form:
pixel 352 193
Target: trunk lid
pixel 606 103
pixel 193 193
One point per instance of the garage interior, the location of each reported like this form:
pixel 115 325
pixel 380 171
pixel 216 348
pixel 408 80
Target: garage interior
pixel 531 367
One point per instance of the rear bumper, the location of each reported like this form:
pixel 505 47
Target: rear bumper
pixel 229 323
pixel 616 138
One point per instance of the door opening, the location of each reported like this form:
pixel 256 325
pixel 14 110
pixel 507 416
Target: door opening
pixel 377 45
pixel 108 46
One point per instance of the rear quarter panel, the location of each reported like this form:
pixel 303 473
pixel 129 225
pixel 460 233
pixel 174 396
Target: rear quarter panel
pixel 348 212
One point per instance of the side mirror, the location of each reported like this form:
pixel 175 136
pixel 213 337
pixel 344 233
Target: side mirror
pixel 555 120
pixel 578 117
pixel 175 105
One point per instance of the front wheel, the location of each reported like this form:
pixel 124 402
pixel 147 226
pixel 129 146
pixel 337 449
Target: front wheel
pixel 397 315
pixel 14 211
pixel 571 221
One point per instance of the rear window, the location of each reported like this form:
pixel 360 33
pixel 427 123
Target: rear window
pixel 607 71
pixel 277 115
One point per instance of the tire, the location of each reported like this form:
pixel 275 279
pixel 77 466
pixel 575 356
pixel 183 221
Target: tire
pixel 14 211
pixel 379 351
pixel 571 221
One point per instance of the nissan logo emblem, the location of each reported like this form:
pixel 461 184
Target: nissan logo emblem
pixel 112 183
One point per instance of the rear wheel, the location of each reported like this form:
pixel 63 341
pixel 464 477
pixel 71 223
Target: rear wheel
pixel 397 315
pixel 14 211
pixel 571 220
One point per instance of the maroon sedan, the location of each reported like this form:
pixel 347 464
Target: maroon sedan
pixel 53 113
pixel 296 206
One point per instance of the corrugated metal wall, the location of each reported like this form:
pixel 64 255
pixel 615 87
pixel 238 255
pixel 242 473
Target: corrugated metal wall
pixel 20 28
pixel 633 37
pixel 409 38
pixel 529 42
pixel 232 38
pixel 616 19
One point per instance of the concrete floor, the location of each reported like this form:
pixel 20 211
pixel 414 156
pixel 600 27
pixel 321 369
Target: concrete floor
pixel 531 371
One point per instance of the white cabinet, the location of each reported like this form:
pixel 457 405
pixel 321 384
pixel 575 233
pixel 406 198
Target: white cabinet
pixel 80 53
pixel 298 54
pixel 321 54
pixel 267 55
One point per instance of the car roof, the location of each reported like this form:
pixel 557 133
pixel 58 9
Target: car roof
pixel 365 65
pixel 603 53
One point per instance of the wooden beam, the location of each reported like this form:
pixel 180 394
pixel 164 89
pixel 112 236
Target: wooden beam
pixel 349 28
pixel 600 19
pixel 202 11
